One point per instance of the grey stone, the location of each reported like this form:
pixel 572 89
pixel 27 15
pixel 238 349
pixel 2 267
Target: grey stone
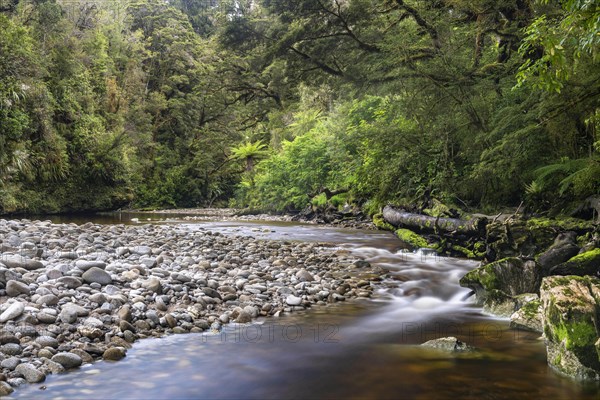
pixel 71 282
pixel 18 261
pixel 86 358
pixel 67 360
pixel 16 288
pixel 304 276
pixel 53 366
pixel 10 363
pixel 47 341
pixel 46 318
pixel 97 275
pixel 292 300
pixel 13 311
pixel 84 265
pixel 30 373
pixel 153 285
pixel 48 299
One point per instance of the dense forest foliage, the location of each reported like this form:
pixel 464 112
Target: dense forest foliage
pixel 274 104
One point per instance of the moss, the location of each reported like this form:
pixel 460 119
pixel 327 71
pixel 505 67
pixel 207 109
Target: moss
pixel 557 359
pixel 380 223
pixel 531 309
pixel 586 258
pixel 438 209
pixel 464 251
pixel 577 334
pixel 411 238
pixel 565 224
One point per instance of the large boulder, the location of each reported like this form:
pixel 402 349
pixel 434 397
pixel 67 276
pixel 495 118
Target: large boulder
pixel 496 284
pixel 563 248
pixel 571 305
pixel 587 263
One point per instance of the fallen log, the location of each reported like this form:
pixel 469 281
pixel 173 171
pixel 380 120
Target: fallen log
pixel 426 224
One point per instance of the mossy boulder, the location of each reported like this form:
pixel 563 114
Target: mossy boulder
pixel 570 310
pixel 531 237
pixel 496 284
pixel 529 315
pixel 380 223
pixel 517 239
pixel 587 263
pixel 563 248
pixel 411 238
pixel 511 275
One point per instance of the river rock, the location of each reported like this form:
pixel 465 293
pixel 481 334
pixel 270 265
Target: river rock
pixel 70 282
pixel 6 337
pixel 5 389
pixel 96 275
pixel 587 263
pixel 292 300
pixel 45 317
pixel 10 363
pixel 529 316
pixel 18 261
pixel 153 285
pixel 16 288
pixel 114 354
pixel 304 276
pixel 84 355
pixel 563 248
pixel 48 299
pixel 47 341
pixel 570 312
pixel 67 360
pixel 84 265
pixel 7 274
pixel 495 284
pixel 13 311
pixel 53 367
pixel 30 373
pixel 448 344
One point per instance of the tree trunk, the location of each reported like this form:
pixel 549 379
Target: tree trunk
pixel 427 224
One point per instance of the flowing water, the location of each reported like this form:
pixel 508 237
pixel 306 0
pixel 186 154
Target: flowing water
pixel 360 349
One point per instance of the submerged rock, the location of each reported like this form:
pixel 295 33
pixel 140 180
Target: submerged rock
pixel 571 306
pixel 448 344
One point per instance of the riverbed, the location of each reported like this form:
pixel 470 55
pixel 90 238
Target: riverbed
pixel 365 348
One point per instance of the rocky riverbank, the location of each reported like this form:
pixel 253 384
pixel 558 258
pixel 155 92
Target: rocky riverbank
pixel 541 273
pixel 350 218
pixel 71 294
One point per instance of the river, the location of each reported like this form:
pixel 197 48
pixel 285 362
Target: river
pixel 355 350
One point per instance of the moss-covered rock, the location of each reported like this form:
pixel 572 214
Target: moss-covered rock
pixel 563 248
pixel 529 315
pixel 411 238
pixel 512 276
pixel 380 223
pixel 517 239
pixel 496 284
pixel 587 263
pixel 561 224
pixel 570 310
pixel 531 237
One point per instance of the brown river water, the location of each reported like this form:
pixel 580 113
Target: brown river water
pixel 355 350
